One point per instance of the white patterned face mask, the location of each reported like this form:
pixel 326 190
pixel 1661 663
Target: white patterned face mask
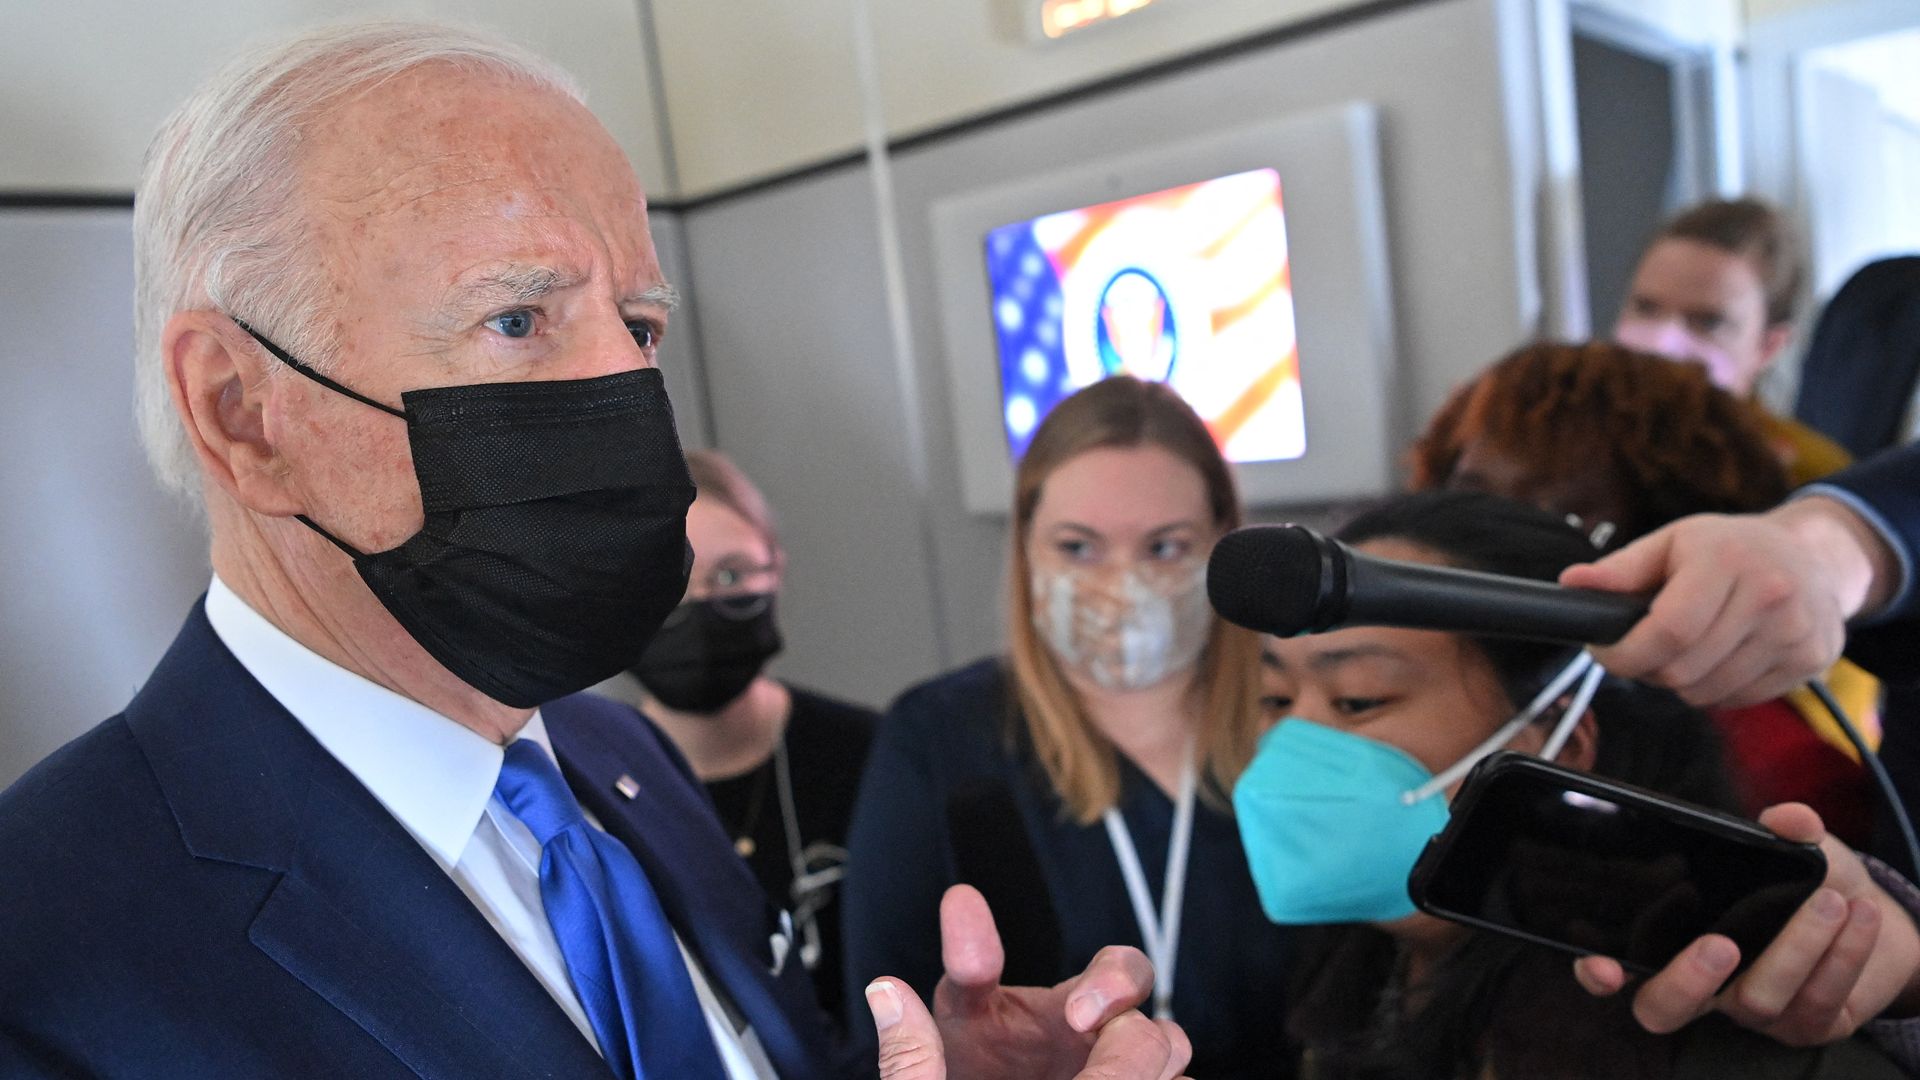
pixel 1124 631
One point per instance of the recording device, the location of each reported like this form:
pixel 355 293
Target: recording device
pixel 1288 580
pixel 1596 867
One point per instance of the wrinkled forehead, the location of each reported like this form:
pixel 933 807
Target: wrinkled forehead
pixel 439 150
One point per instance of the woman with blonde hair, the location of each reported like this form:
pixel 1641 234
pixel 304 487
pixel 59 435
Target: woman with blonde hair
pixel 1080 781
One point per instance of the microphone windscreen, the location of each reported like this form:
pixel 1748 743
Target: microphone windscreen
pixel 1268 578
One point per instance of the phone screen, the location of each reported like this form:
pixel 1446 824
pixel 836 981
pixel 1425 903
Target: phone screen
pixel 1572 860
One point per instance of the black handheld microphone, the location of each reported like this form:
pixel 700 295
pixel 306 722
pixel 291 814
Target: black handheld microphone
pixel 1288 580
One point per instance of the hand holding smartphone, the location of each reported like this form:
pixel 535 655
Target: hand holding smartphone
pixel 1595 867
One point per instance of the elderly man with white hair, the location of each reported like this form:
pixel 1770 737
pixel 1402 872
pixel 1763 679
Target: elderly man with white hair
pixel 397 314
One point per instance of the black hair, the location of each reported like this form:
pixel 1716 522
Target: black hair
pixel 1648 737
pixel 1495 1002
pixel 1474 531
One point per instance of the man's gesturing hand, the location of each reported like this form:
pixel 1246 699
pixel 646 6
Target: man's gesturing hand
pixel 1087 1028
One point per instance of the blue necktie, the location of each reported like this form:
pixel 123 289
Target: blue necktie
pixel 621 955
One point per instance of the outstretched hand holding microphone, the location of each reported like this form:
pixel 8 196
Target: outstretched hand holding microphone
pixel 1744 607
pixel 1851 953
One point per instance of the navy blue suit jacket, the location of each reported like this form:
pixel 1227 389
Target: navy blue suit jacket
pixel 1890 646
pixel 197 888
pixel 1890 483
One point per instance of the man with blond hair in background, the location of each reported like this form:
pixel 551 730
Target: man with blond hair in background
pixel 1717 286
pixel 397 311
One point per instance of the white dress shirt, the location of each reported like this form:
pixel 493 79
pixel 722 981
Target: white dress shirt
pixel 436 778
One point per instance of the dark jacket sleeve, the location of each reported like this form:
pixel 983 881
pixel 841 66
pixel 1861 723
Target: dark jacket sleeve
pixel 19 1060
pixel 1889 483
pixel 898 864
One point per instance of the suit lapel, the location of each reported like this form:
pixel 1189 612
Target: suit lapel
pixel 368 921
pixel 362 915
pixel 621 769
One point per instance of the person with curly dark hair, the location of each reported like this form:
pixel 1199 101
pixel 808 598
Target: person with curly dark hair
pixel 1626 442
pixel 1540 424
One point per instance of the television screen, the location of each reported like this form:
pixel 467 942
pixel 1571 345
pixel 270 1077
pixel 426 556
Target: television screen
pixel 1189 286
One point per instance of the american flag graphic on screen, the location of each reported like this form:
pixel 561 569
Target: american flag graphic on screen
pixel 1190 285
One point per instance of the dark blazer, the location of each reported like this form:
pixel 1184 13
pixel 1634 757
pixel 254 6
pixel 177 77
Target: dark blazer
pixel 1890 646
pixel 1858 374
pixel 197 888
pixel 1890 483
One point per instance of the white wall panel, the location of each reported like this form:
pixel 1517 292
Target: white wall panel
pixel 757 89
pixel 680 353
pixel 97 567
pixel 84 84
pixel 795 347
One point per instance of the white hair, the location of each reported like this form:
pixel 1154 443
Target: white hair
pixel 217 219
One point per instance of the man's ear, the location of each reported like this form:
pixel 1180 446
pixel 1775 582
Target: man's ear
pixel 217 377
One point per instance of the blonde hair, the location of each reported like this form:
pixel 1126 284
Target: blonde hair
pixel 1082 765
pixel 716 477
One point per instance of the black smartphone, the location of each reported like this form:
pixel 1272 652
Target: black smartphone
pixel 1593 866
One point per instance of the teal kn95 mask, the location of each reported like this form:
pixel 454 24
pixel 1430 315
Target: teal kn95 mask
pixel 1333 822
pixel 1328 834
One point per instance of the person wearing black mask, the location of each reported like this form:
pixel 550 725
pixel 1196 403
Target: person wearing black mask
pixel 782 763
pixel 398 317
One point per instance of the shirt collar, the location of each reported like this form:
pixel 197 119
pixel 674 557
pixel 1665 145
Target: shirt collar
pixel 431 773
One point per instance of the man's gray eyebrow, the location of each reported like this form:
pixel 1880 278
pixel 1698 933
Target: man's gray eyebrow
pixel 659 294
pixel 513 284
pixel 527 284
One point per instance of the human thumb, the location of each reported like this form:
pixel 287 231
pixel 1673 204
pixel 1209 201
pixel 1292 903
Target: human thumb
pixel 1794 821
pixel 909 1041
pixel 1640 567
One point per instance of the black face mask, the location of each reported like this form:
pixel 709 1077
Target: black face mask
pixel 709 652
pixel 555 534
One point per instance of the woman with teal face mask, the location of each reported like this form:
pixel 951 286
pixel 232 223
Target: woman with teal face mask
pixel 1376 727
